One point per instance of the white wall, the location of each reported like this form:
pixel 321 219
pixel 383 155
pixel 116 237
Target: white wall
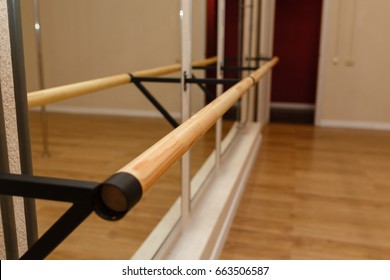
pixel 95 38
pixel 354 84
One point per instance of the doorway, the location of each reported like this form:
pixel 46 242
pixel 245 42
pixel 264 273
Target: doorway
pixel 297 43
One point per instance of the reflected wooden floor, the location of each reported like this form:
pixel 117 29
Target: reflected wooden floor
pixel 313 193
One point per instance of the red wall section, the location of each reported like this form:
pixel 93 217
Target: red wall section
pixel 296 42
pixel 231 36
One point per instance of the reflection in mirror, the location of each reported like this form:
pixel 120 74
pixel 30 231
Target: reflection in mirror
pixel 78 152
pixel 202 159
pixel 232 50
pixel 84 40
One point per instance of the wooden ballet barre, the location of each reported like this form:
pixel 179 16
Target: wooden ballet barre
pixel 124 189
pixel 55 94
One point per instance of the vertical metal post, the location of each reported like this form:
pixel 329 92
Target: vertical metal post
pixel 220 75
pixel 186 72
pixel 22 117
pixel 38 42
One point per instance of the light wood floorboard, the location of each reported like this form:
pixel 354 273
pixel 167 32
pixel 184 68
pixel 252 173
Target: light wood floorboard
pixel 314 193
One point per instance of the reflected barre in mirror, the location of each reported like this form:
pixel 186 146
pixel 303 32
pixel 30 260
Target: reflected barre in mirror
pixel 55 94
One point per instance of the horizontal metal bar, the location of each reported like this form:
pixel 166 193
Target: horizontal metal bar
pixel 190 80
pixel 212 81
pixel 45 188
pixel 238 68
pixel 156 79
pixel 265 58
pixel 226 68
pixel 211 67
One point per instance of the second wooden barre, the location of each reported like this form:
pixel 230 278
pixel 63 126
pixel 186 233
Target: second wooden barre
pixel 55 94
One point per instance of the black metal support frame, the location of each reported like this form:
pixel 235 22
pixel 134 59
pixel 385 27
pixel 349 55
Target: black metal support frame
pixel 264 58
pixel 82 194
pixel 205 90
pixel 226 68
pixel 187 80
pixel 137 81
pixel 86 197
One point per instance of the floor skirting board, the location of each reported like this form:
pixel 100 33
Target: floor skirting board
pixel 297 106
pixel 354 124
pixel 292 115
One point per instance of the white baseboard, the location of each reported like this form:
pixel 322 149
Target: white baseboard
pixel 354 124
pixel 106 111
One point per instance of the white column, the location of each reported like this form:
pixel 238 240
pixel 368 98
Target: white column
pixel 186 71
pixel 266 50
pixel 253 53
pixel 246 53
pixel 220 75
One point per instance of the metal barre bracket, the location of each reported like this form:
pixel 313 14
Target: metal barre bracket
pixel 111 200
pixel 137 81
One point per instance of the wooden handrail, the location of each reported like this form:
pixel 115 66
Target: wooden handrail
pixel 154 162
pixel 55 94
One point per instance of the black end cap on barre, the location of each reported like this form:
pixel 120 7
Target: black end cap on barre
pixel 117 195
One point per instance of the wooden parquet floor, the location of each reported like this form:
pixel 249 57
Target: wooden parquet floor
pixel 314 193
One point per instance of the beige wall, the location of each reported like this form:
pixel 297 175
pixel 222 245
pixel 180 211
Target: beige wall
pixel 354 84
pixel 95 38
